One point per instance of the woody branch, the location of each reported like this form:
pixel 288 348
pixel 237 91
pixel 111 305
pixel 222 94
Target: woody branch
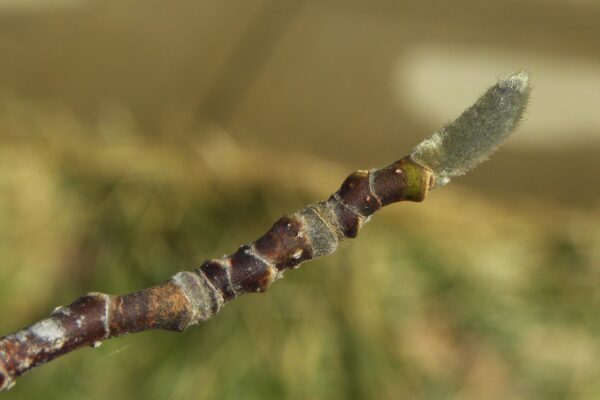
pixel 190 297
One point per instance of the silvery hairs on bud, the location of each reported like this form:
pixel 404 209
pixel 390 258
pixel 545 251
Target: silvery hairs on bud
pixel 461 145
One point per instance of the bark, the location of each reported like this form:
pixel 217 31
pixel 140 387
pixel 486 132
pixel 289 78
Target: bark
pixel 190 297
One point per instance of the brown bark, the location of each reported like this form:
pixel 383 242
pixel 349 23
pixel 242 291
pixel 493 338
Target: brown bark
pixel 190 297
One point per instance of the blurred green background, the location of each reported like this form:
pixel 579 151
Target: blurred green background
pixel 139 138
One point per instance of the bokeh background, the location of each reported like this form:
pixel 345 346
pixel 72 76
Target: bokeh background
pixel 139 138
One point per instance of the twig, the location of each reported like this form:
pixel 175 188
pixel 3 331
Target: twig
pixel 190 297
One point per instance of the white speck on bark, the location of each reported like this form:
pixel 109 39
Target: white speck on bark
pixel 49 330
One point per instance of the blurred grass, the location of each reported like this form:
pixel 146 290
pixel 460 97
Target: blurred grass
pixel 459 297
